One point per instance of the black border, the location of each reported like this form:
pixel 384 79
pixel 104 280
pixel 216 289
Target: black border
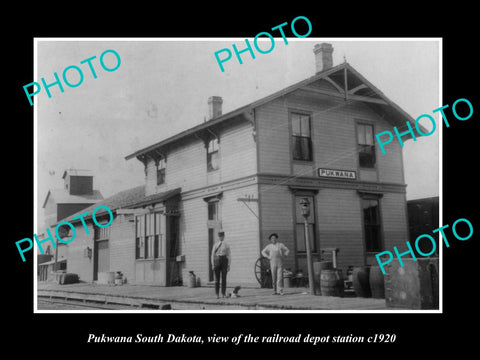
pixel 416 333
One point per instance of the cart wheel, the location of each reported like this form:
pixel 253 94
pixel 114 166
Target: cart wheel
pixel 263 273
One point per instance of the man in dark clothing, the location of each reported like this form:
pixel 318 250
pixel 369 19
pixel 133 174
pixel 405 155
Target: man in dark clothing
pixel 220 260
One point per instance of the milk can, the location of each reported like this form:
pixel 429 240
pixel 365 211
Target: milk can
pixel 119 278
pixel 192 280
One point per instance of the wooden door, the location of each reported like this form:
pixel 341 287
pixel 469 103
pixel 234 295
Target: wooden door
pixel 213 225
pixel 102 258
pixel 211 241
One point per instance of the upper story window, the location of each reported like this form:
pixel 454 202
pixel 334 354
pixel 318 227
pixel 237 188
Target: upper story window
pixel 366 146
pixel 161 172
pixel 301 137
pixel 212 155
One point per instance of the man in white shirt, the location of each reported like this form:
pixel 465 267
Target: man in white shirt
pixel 276 252
pixel 220 260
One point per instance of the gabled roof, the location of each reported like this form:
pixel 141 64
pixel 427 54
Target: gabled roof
pixel 190 131
pixel 61 196
pixel 348 83
pixel 131 198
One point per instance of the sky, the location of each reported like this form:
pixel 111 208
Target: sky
pixel 161 88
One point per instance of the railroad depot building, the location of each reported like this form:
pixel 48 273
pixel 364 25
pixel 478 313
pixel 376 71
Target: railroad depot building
pixel 246 171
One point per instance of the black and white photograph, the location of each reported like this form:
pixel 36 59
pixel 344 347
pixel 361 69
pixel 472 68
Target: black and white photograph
pixel 237 189
pixel 222 182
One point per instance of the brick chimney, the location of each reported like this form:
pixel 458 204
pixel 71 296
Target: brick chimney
pixel 214 107
pixel 323 57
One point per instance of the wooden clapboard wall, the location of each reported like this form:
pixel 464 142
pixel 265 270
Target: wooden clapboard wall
pixel 339 213
pixel 186 164
pixel 333 127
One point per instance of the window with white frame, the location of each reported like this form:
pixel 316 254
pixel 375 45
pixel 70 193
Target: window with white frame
pixel 161 172
pixel 366 146
pixel 301 137
pixel 372 226
pixel 212 155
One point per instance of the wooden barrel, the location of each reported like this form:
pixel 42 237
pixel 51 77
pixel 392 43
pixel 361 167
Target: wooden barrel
pixel 377 284
pixel 331 282
pixel 318 267
pixel 361 281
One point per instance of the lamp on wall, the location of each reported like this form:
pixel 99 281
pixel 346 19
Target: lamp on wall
pixel 87 252
pixel 305 208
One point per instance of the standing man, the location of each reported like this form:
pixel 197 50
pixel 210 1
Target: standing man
pixel 220 260
pixel 275 252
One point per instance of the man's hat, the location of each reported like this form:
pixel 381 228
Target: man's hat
pixel 221 233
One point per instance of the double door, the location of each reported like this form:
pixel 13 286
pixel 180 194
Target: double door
pixel 157 248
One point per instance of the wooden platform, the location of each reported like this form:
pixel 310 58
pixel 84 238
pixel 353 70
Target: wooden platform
pixel 203 298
